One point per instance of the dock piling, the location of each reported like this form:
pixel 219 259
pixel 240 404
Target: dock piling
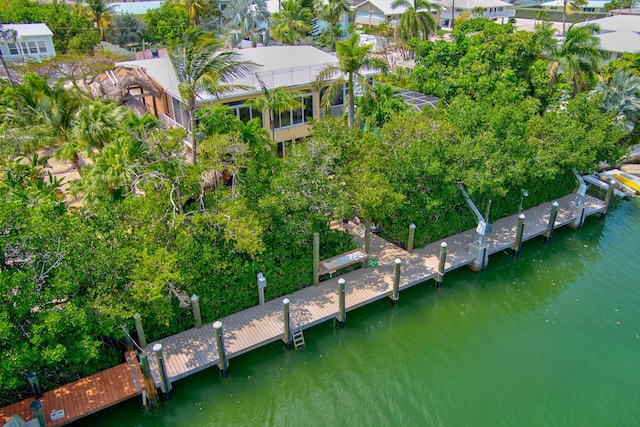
pixel 441 265
pixel 262 283
pixel 34 382
pixel 367 240
pixel 150 387
pixel 137 320
pixel 223 362
pixel 287 324
pixel 412 233
pixel 342 315
pixel 552 221
pixel 395 295
pixel 607 199
pixel 316 258
pixel 519 232
pixel 195 305
pixel 165 383
pixel 36 408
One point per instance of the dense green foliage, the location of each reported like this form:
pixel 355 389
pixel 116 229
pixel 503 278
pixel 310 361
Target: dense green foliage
pixel 71 30
pixel 154 229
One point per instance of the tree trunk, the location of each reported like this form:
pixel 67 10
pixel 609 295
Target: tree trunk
pixel 192 131
pixel 76 163
pixel 6 69
pixel 564 17
pixel 367 235
pixel 350 102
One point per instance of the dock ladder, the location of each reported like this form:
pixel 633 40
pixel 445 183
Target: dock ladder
pixel 298 338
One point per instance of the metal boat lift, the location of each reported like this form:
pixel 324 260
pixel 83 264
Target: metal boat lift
pixel 478 248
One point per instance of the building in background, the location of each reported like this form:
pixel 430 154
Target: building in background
pixel 33 42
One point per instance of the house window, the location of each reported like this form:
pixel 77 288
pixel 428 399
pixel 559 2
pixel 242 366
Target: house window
pixel 298 116
pixel 13 49
pixel 589 9
pixel 178 113
pixel 33 49
pixel 42 46
pixel 243 112
pixel 25 50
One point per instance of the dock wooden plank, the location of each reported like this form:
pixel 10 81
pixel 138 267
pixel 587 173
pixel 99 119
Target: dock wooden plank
pixel 194 350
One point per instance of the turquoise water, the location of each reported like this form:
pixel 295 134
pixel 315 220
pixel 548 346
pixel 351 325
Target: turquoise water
pixel 549 338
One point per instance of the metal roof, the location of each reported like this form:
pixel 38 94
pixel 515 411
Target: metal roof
pixel 418 100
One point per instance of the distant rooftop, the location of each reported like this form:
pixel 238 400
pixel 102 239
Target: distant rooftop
pixel 137 7
pixel 418 100
pixel 29 30
pixel 620 41
pixel 617 23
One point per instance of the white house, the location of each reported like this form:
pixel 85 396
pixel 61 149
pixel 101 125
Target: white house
pixel 296 67
pixel 618 34
pixel 33 42
pixel 591 6
pixel 375 12
pixel 492 9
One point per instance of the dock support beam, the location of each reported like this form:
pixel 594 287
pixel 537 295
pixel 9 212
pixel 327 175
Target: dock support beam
pixel 223 363
pixel 367 239
pixel 342 315
pixel 607 199
pixel 262 283
pixel 165 383
pixel 137 320
pixel 395 294
pixel 34 382
pixel 287 324
pixel 412 233
pixel 36 408
pixel 195 305
pixel 316 258
pixel 441 264
pixel 552 221
pixel 148 379
pixel 518 245
pixel 578 203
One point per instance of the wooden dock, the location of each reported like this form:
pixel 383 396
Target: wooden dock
pixel 85 396
pixel 195 349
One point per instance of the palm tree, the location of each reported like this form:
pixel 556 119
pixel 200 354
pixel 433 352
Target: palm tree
pixel 291 23
pixel 101 14
pixel 622 96
pixel 331 12
pixel 201 66
pixel 276 101
pixel 378 108
pixel 579 57
pixel 193 8
pixel 352 59
pixel 9 36
pixel 416 21
pixel 247 18
pixel 570 7
pixel 96 123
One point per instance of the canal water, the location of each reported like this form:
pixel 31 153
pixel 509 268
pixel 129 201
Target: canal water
pixel 549 338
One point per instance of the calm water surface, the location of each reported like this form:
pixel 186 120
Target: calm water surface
pixel 550 338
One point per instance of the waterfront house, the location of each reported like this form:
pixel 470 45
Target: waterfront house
pixel 295 67
pixel 33 42
pixel 618 34
pixel 591 6
pixel 491 9
pixel 371 13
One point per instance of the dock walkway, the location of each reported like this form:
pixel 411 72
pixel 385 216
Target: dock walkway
pixel 84 396
pixel 194 350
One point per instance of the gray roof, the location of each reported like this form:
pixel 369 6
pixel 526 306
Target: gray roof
pixel 617 23
pixel 418 100
pixel 620 41
pixel 290 66
pixel 29 30
pixel 472 4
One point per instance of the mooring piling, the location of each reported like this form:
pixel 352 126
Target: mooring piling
pixel 552 220
pixel 519 232
pixel 165 383
pixel 223 362
pixel 195 305
pixel 395 294
pixel 342 314
pixel 607 199
pixel 287 324
pixel 36 408
pixel 441 264
pixel 316 258
pixel 412 234
pixel 137 320
pixel 148 378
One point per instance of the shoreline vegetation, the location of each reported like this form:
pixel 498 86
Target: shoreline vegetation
pixel 516 113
